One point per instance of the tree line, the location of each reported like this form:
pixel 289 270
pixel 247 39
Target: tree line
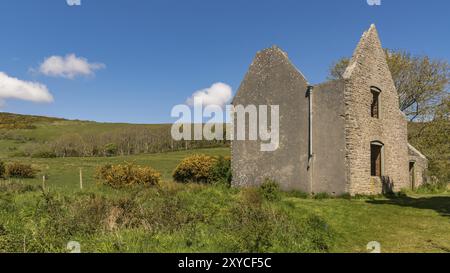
pixel 119 142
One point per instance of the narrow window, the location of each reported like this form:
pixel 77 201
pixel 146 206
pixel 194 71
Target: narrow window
pixel 376 159
pixel 375 105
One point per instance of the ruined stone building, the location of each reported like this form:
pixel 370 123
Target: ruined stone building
pixel 342 136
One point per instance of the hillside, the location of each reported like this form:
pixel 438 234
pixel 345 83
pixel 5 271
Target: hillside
pixel 37 136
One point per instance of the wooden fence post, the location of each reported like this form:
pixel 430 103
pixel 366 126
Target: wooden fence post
pixel 81 179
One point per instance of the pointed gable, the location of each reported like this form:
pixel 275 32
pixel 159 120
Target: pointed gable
pixel 368 47
pixel 369 66
pixel 272 80
pixel 270 75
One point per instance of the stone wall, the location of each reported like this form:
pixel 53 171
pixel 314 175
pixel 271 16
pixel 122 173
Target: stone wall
pixel 328 169
pixel 421 165
pixel 273 80
pixel 368 68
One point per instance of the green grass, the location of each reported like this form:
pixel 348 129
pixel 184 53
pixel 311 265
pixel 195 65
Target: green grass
pixel 194 218
pixel 408 224
pixel 15 134
pixel 63 173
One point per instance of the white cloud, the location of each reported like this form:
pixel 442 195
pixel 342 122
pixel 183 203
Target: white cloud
pixel 68 67
pixel 218 94
pixel 13 88
pixel 73 2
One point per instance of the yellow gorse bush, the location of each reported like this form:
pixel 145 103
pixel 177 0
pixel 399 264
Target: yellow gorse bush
pixel 127 175
pixel 20 170
pixel 197 168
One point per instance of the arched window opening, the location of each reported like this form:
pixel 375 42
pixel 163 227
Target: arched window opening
pixel 375 105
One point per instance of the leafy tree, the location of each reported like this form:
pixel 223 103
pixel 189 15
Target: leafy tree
pixel 111 149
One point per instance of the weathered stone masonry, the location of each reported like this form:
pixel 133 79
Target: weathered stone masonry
pixel 343 128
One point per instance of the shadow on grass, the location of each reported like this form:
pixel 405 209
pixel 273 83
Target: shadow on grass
pixel 440 204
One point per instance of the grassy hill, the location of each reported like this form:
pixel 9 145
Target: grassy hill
pixel 39 128
pixel 23 135
pixel 17 121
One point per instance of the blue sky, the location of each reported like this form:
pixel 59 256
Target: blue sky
pixel 153 55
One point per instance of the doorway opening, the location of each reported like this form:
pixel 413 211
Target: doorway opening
pixel 376 159
pixel 412 174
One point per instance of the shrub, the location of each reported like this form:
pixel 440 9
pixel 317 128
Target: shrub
pixel 221 171
pixel 101 172
pixel 20 170
pixel 16 188
pixel 346 196
pixel 433 187
pixel 318 233
pixel 118 176
pixel 270 190
pixel 196 168
pixel 322 195
pixel 255 229
pixel 111 149
pixel 43 154
pixel 2 169
pixel 252 196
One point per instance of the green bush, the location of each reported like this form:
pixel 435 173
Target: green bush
pixel 2 169
pixel 111 149
pixel 20 170
pixel 253 226
pixel 252 196
pixel 196 168
pixel 322 195
pixel 346 195
pixel 221 171
pixel 16 188
pixel 43 154
pixel 433 187
pixel 317 232
pixel 270 190
pixel 118 176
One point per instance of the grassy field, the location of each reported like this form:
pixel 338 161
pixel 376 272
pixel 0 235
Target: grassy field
pixel 189 217
pixel 18 131
pixel 63 173
pixel 195 218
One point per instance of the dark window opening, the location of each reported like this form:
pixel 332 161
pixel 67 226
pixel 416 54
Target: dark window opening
pixel 412 174
pixel 376 160
pixel 375 105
